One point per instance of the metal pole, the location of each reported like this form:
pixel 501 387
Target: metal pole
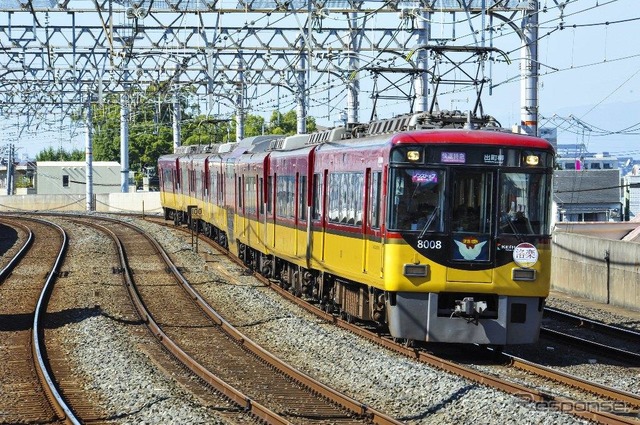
pixel 421 83
pixel 301 106
pixel 529 70
pixel 124 143
pixel 353 86
pixel 176 122
pixel 89 157
pixel 240 100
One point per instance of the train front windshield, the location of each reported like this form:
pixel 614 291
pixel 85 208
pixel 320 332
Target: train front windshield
pixel 523 204
pixel 418 199
pixel 420 203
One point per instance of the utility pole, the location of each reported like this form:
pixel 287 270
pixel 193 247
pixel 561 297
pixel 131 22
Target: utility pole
pixel 240 113
pixel 529 70
pixel 10 169
pixel 353 84
pixel 124 142
pixel 421 86
pixel 89 156
pixel 177 141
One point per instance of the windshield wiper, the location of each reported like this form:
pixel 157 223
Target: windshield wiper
pixel 517 234
pixel 429 221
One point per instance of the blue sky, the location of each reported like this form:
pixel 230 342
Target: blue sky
pixel 597 78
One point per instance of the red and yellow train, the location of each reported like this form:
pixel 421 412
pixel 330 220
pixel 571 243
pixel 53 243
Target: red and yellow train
pixel 437 234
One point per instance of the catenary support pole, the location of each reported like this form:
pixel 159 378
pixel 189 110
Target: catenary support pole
pixel 529 70
pixel 88 146
pixel 124 143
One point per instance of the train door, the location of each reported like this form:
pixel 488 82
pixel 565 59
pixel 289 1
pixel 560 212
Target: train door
pixel 372 229
pixel 471 196
pixel 323 194
pixel 271 218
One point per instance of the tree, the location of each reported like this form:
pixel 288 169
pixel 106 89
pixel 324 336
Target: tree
pixel 60 154
pixel 287 124
pixel 151 130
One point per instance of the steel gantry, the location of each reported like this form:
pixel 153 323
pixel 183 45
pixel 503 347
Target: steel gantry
pixel 231 57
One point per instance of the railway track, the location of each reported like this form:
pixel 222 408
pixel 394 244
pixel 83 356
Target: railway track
pixel 192 331
pixel 597 337
pixel 609 406
pixel 29 393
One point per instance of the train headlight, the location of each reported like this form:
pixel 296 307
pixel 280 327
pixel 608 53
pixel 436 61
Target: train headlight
pixel 415 270
pixel 532 160
pixel 413 156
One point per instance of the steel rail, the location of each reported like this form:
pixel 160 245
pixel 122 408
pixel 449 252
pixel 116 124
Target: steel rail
pixel 6 271
pixel 596 347
pixel 59 404
pixel 574 381
pixel 594 324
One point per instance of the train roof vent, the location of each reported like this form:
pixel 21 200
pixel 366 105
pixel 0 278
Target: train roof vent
pixel 401 123
pixel 227 147
pixel 260 143
pixel 276 144
pixel 293 142
pixel 195 149
pixel 330 135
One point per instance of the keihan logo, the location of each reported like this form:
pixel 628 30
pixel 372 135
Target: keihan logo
pixel 470 248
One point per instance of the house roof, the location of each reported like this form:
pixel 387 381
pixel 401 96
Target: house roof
pixel 586 186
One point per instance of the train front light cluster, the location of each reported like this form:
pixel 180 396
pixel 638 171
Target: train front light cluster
pixel 532 160
pixel 413 156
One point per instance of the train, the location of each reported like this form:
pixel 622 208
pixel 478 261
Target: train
pixel 430 227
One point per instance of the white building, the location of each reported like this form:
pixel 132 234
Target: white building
pixel 69 177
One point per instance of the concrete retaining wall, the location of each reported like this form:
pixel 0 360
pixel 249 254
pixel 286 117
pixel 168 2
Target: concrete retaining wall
pixel 603 270
pixel 138 202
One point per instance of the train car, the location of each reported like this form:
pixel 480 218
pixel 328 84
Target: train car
pixel 436 234
pixel 170 186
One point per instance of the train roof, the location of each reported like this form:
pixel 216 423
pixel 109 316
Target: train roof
pixel 437 128
pixel 485 137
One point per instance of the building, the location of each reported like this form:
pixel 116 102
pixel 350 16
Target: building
pixel 600 161
pixel 589 195
pixel 23 176
pixel 69 177
pixel 632 184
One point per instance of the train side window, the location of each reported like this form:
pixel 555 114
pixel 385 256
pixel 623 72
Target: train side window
pixel 269 194
pixel 239 192
pixel 285 196
pixel 302 198
pixel 374 204
pixel 249 195
pixel 65 180
pixel 346 198
pixel 358 196
pixel 260 195
pixel 334 198
pixel 317 196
